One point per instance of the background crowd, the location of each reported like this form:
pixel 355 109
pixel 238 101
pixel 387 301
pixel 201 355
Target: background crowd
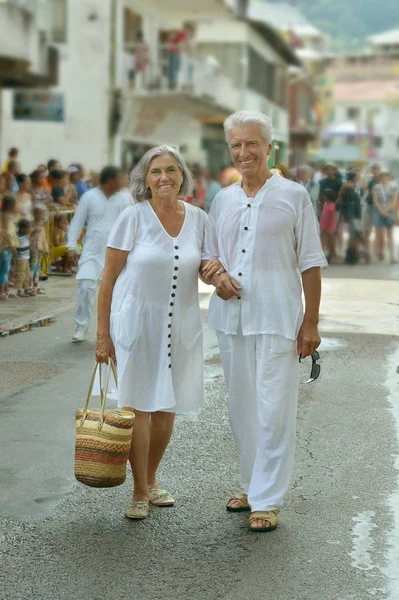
pixel 357 212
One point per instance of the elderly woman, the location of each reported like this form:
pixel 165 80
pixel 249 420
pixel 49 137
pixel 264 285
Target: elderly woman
pixel 385 199
pixel 149 317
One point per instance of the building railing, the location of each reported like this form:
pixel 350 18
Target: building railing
pixel 175 68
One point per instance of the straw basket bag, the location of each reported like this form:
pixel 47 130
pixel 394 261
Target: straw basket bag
pixel 103 440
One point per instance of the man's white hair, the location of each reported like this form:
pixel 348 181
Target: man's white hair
pixel 249 117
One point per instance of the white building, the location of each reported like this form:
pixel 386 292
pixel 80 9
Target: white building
pixel 365 121
pixel 237 64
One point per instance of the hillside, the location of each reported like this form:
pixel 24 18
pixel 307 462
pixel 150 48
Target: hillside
pixel 348 22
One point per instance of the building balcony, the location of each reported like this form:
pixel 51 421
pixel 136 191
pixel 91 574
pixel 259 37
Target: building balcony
pixel 194 83
pixel 26 60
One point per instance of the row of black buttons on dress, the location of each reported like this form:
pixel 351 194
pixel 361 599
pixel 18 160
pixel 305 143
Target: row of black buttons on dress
pixel 243 250
pixel 172 303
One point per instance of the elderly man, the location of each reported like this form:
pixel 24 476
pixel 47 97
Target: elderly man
pixel 97 211
pixel 263 229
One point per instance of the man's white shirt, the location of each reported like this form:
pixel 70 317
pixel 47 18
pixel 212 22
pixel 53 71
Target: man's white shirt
pixel 98 214
pixel 264 243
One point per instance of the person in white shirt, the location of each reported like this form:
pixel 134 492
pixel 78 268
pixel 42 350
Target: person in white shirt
pixel 263 230
pixel 97 212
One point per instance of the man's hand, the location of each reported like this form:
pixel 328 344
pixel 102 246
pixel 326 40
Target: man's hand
pixel 226 286
pixel 72 254
pixel 308 339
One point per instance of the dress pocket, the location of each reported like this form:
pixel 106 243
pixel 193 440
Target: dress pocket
pixel 191 329
pixel 126 325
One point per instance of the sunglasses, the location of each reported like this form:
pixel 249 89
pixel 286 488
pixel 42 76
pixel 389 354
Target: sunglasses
pixel 316 368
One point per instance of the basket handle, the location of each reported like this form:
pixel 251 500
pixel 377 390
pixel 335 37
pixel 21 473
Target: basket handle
pixel 103 392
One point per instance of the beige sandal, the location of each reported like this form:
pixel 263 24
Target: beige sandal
pixel 242 500
pixel 270 515
pixel 161 497
pixel 137 510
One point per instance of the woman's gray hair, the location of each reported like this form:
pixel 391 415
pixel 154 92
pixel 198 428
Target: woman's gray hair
pixel 249 117
pixel 138 174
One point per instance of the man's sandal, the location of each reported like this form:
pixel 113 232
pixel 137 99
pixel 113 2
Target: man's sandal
pixel 270 515
pixel 242 500
pixel 137 510
pixel 161 497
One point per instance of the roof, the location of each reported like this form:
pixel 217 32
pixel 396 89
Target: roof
pixel 371 90
pixel 282 15
pixel 273 37
pixel 386 37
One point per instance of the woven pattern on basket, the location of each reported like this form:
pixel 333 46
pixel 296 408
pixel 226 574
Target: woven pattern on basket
pixel 102 445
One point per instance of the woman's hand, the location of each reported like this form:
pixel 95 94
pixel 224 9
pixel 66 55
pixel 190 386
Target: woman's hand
pixel 104 349
pixel 211 268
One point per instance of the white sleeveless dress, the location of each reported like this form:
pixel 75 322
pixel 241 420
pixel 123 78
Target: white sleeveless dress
pixel 155 321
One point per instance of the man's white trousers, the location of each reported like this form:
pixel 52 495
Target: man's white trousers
pixel 262 376
pixel 87 290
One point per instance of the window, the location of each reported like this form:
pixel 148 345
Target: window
pixel 260 75
pixel 353 112
pixel 58 11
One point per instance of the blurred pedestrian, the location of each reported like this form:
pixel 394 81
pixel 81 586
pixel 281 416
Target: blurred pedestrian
pixel 213 187
pixel 24 196
pixel 369 208
pixel 2 188
pixel 38 247
pixel 12 155
pixel 264 231
pixel 14 169
pixel 22 270
pixel 385 201
pixel 181 57
pixel 304 177
pixel 141 62
pixel 350 208
pixel 40 194
pixel 97 211
pixel 52 165
pixel 8 243
pixel 80 183
pixel 328 222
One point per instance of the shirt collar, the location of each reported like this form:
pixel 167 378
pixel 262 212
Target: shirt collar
pixel 268 183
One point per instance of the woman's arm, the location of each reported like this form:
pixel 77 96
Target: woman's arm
pixel 114 262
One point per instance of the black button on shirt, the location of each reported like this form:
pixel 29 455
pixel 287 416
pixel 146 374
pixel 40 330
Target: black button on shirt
pixel 176 247
pixel 248 205
pixel 239 274
pixel 176 257
pixel 171 314
pixel 243 251
pixel 246 228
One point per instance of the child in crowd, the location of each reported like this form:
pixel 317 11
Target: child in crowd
pixel 38 248
pixel 328 222
pixel 60 248
pixel 8 243
pixel 22 270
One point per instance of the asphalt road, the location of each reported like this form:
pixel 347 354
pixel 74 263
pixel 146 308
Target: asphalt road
pixel 338 537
